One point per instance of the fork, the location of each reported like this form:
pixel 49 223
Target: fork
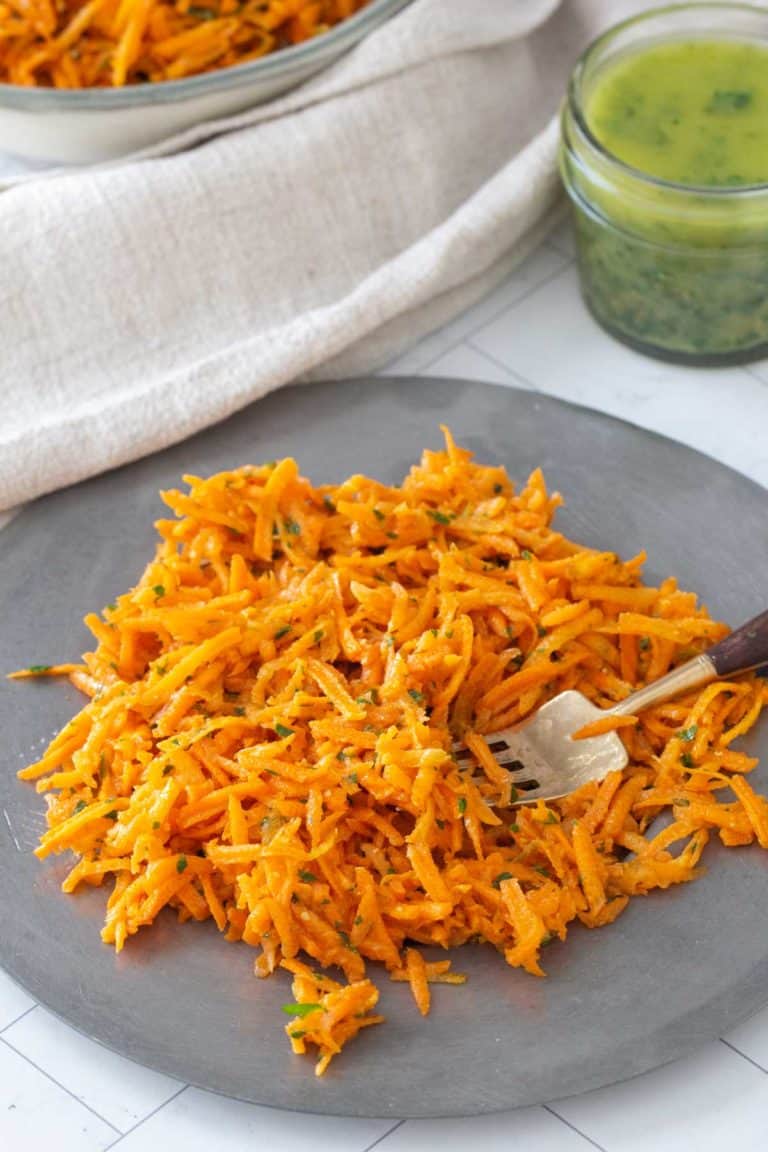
pixel 545 762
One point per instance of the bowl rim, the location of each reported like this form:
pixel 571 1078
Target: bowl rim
pixel 318 49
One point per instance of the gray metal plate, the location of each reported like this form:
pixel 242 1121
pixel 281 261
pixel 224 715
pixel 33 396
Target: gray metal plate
pixel 676 970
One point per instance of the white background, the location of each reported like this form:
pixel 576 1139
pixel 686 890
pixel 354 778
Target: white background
pixel 63 1093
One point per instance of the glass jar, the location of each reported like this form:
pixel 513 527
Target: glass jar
pixel 675 271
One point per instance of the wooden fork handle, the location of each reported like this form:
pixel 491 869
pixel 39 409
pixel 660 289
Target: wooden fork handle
pixel 742 650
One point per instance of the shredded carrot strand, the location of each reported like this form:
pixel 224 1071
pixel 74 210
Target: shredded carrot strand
pixel 604 724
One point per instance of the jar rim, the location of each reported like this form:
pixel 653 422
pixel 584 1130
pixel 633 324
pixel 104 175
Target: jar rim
pixel 714 193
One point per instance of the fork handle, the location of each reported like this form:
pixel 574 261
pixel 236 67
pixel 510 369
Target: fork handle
pixel 742 650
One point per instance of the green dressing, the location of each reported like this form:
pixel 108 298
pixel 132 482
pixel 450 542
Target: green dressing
pixel 692 112
pixel 665 159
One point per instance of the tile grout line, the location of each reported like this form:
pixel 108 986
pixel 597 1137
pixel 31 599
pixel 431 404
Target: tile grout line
pixel 11 1023
pixel 573 1128
pixel 466 336
pixel 743 1055
pixel 379 1139
pixel 53 1080
pixel 497 363
pixel 144 1119
pixel 562 251
pixel 511 371
pixel 493 361
pixel 755 376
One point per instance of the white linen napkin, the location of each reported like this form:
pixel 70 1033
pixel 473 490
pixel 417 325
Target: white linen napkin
pixel 316 236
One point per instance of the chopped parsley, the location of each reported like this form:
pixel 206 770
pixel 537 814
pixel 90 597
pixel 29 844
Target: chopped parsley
pixel 688 733
pixel 686 760
pixel 462 805
pixel 644 643
pixel 501 876
pixel 526 555
pixel 307 877
pixel 301 1010
pixel 159 591
pixel 379 514
pixel 39 668
pixel 292 528
pixel 416 695
pixel 283 631
pixel 440 517
pixel 181 864
pixel 81 804
pixel 729 100
pixel 344 937
pixel 283 731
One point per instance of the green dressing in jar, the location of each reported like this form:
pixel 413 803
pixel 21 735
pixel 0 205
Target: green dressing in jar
pixel 692 112
pixel 665 159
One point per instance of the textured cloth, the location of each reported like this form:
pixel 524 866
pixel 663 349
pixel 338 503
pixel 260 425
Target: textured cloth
pixel 315 236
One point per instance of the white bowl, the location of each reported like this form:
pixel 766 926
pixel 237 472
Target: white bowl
pixel 83 125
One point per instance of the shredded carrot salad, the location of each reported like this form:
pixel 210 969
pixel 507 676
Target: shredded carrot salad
pixel 103 43
pixel 268 740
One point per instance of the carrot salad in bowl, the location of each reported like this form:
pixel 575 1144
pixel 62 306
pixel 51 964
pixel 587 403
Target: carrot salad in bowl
pixel 110 43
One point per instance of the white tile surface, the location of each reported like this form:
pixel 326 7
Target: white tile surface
pixel 13 1002
pixel 540 266
pixel 714 1100
pixel 529 1129
pixel 117 1089
pixel 37 1115
pixel 720 411
pixel 201 1122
